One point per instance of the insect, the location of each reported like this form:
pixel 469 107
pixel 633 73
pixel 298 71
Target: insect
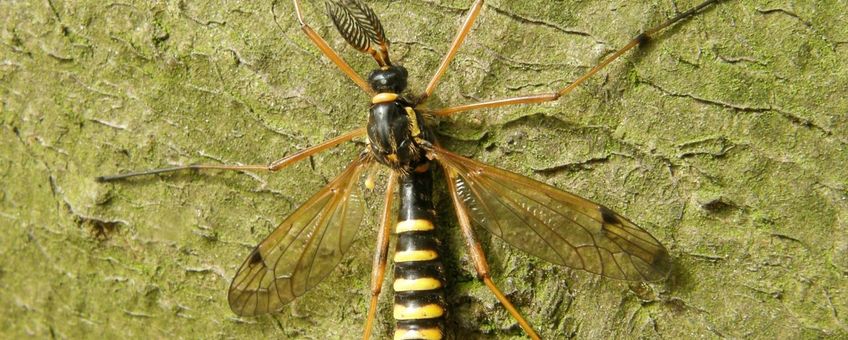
pixel 534 217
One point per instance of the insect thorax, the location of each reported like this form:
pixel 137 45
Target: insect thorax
pixel 394 134
pixel 394 129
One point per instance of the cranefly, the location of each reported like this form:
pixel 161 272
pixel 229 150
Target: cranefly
pixel 539 219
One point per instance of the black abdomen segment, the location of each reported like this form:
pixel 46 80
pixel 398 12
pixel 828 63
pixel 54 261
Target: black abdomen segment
pixel 419 308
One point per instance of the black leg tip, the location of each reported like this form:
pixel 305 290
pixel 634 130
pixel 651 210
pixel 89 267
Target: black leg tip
pixel 642 38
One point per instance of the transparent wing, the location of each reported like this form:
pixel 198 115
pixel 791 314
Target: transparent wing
pixel 304 249
pixel 554 225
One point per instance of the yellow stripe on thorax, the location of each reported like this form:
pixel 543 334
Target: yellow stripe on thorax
pixel 384 97
pixel 414 225
pixel 421 333
pixel 430 311
pixel 424 283
pixel 414 130
pixel 415 255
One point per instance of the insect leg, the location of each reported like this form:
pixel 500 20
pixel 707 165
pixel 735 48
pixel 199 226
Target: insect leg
pixel 274 166
pixel 479 258
pixel 378 269
pixel 539 98
pixel 457 42
pixel 329 52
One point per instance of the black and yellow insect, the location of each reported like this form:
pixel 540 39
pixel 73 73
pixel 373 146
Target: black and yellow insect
pixel 539 219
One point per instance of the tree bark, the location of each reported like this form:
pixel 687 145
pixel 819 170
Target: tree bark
pixel 725 137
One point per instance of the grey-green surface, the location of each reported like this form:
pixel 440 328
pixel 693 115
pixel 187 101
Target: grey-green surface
pixel 726 138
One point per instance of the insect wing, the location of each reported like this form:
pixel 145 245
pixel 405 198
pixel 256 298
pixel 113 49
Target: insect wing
pixel 304 249
pixel 554 225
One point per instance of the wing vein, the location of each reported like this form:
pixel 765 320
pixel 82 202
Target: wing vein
pixel 530 213
pixel 301 251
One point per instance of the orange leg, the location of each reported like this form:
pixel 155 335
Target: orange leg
pixel 457 42
pixel 381 254
pixel 479 258
pixel 330 53
pixel 539 98
pixel 274 166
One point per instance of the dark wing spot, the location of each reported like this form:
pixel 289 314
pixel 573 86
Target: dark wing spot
pixel 662 259
pixel 255 257
pixel 608 216
pixel 661 265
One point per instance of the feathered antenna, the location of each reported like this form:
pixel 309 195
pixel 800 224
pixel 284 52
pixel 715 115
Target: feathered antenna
pixel 360 26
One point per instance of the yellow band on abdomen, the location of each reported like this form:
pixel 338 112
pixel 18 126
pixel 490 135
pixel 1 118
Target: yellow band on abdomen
pixel 423 333
pixel 424 283
pixel 430 311
pixel 415 255
pixel 414 225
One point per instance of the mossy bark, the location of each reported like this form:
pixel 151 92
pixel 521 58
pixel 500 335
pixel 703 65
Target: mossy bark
pixel 726 137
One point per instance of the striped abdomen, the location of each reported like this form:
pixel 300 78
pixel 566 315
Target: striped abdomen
pixel 419 308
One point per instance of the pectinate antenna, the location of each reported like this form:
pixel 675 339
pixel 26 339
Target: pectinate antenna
pixel 359 25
